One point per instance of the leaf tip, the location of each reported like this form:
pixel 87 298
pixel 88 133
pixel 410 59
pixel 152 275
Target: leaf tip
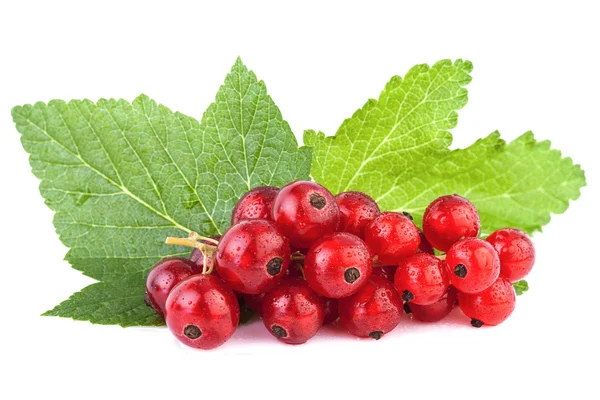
pixel 14 112
pixel 239 66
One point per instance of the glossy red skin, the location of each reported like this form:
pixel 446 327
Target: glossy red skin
pixel 298 219
pixel 424 246
pixel 328 259
pixel 448 219
pixel 167 273
pixel 244 252
pixel 357 210
pixel 377 306
pixel 206 302
pixel 387 271
pixel 198 259
pixel 425 276
pixel 516 252
pixel 254 301
pixel 255 204
pixel 331 311
pixel 492 306
pixel 436 311
pixel 391 237
pixel 481 261
pixel 296 308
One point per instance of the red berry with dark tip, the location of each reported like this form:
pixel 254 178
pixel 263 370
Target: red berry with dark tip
pixel 293 312
pixel 436 311
pixel 391 237
pixel 337 265
pixel 253 256
pixel 357 210
pixel 516 252
pixel 490 307
pixel 422 279
pixel 387 271
pixel 305 211
pixel 473 265
pixel 373 311
pixel 255 204
pixel 202 312
pixel 167 273
pixel 449 219
pixel 331 311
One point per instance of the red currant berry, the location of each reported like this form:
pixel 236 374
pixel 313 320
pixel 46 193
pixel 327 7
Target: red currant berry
pixel 331 311
pixel 391 237
pixel 387 271
pixel 373 311
pixel 254 301
pixel 516 252
pixel 490 307
pixel 253 256
pixel 255 204
pixel 436 311
pixel 198 258
pixel 337 265
pixel 305 211
pixel 473 265
pixel 424 246
pixel 422 279
pixel 357 210
pixel 448 219
pixel 202 312
pixel 292 312
pixel 167 273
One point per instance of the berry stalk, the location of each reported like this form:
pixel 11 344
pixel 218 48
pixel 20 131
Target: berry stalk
pixel 193 240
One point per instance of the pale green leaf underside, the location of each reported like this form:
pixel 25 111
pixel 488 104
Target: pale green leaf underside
pixel 396 150
pixel 512 185
pixel 122 177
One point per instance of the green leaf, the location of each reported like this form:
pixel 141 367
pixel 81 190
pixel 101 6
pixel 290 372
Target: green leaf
pixel 122 177
pixel 110 303
pixel 521 287
pixel 396 150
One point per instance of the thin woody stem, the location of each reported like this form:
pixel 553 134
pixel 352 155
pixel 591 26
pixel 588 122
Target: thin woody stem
pixel 205 262
pixel 187 242
pixel 207 250
pixel 196 237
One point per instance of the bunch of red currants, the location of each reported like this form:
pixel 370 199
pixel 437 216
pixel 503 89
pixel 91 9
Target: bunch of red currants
pixel 302 258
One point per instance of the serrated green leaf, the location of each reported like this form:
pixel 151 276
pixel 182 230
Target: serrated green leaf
pixel 394 135
pixel 121 177
pixel 521 287
pixel 396 150
pixel 111 303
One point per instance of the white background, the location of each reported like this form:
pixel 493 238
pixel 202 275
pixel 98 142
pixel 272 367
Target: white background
pixel 536 67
